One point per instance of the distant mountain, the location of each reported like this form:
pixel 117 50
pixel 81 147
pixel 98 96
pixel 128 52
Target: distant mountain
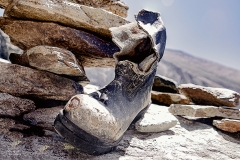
pixel 183 68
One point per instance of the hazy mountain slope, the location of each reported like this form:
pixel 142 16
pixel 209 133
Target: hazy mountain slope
pixel 183 68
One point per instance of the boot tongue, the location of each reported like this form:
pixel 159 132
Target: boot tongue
pixel 146 64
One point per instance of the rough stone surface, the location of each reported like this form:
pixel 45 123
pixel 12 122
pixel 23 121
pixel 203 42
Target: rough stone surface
pixel 168 98
pixel 43 117
pixel 116 6
pixel 156 119
pixel 187 140
pixel 229 125
pixel 204 111
pixel 4 3
pixel 210 96
pixel 23 81
pixel 164 84
pixel 14 106
pixel 5 125
pixel 64 12
pixel 90 50
pixel 51 59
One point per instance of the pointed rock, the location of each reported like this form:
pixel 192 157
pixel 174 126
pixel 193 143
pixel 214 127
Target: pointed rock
pixel 90 50
pixel 229 125
pixel 52 59
pixel 43 117
pixel 204 111
pixel 164 84
pixel 168 98
pixel 156 119
pixel 23 81
pixel 14 106
pixel 64 12
pixel 210 96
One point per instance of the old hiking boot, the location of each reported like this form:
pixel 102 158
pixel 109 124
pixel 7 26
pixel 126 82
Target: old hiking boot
pixel 95 123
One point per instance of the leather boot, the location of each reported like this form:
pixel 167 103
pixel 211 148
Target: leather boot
pixel 95 123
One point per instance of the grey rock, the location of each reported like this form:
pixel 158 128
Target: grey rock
pixel 14 106
pixel 229 125
pixel 204 111
pixel 23 81
pixel 52 59
pixel 210 96
pixel 168 98
pixel 43 117
pixel 5 125
pixel 164 84
pixel 64 12
pixel 156 119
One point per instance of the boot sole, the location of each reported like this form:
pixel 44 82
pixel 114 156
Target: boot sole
pixel 83 140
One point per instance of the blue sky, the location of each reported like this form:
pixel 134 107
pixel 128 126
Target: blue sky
pixel 209 29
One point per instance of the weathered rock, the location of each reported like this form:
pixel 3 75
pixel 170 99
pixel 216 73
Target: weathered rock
pixel 164 84
pixel 210 96
pixel 156 119
pixel 168 98
pixel 5 125
pixel 64 12
pixel 116 6
pixel 4 3
pixel 52 59
pixel 43 117
pixel 229 125
pixel 14 106
pixel 204 111
pixel 23 81
pixel 90 50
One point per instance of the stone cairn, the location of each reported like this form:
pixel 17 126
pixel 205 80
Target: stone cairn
pixel 197 102
pixel 59 38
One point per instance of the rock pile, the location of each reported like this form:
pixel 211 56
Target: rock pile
pixel 58 39
pixel 218 103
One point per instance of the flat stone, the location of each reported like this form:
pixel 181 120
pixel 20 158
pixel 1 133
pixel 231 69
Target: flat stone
pixel 156 119
pixel 116 6
pixel 23 81
pixel 52 59
pixel 14 106
pixel 229 125
pixel 210 96
pixel 204 111
pixel 89 49
pixel 168 98
pixel 164 84
pixel 67 13
pixel 43 117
